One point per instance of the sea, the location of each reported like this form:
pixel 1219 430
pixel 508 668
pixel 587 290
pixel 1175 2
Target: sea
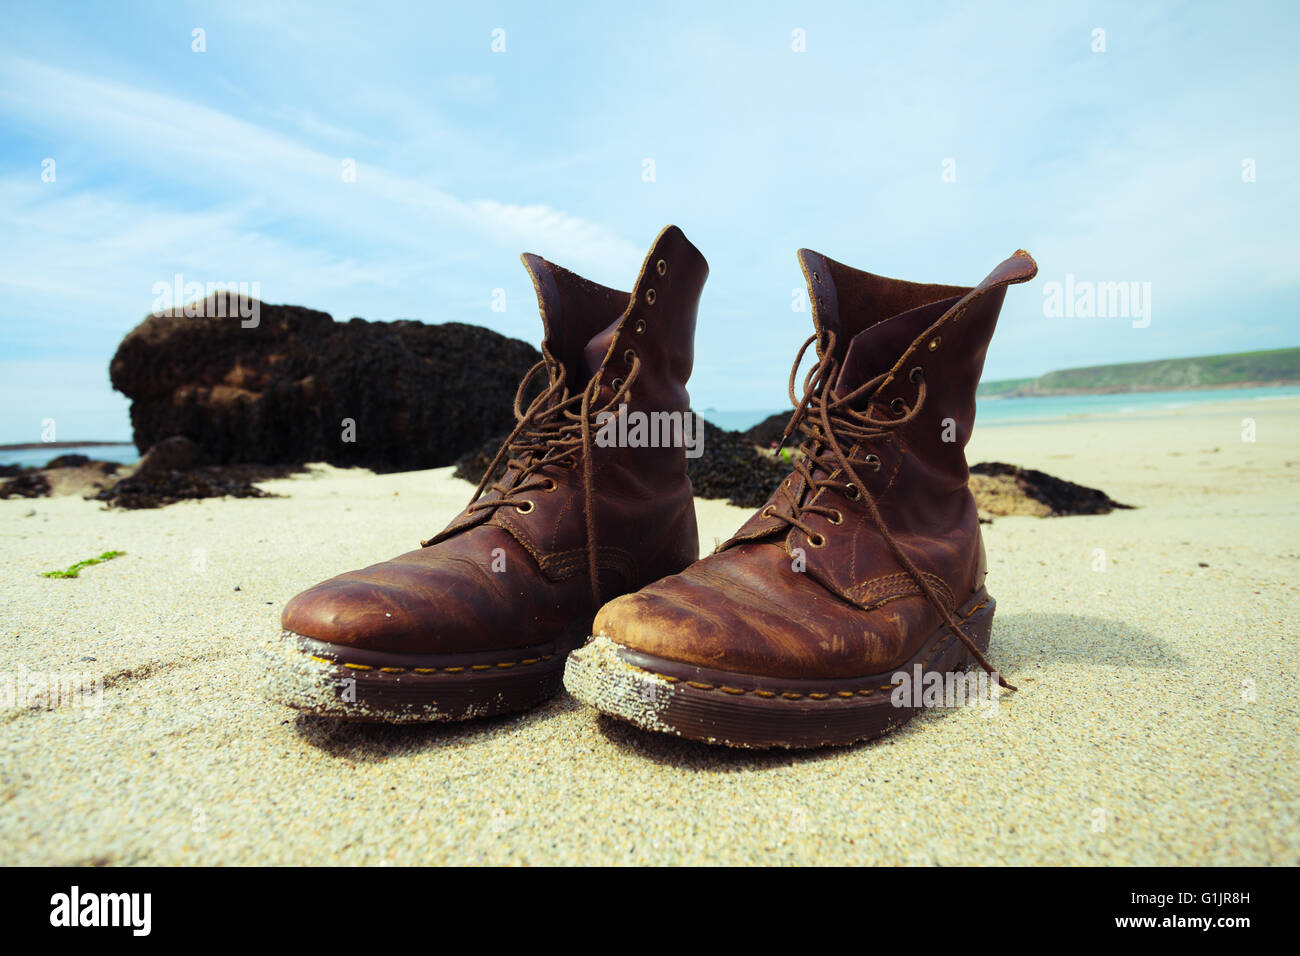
pixel 992 412
pixel 34 457
pixel 989 412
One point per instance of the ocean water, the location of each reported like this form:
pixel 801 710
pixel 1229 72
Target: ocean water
pixel 991 412
pixel 35 457
pixel 1049 408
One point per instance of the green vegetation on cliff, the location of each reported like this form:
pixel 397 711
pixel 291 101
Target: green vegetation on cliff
pixel 1274 366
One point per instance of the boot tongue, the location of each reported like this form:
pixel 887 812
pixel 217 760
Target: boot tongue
pixel 574 313
pixel 874 350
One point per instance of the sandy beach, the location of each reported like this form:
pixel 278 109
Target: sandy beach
pixel 1155 650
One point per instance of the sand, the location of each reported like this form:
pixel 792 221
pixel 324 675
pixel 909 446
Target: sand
pixel 1156 651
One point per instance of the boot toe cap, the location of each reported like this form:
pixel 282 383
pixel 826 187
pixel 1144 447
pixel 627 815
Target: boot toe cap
pixel 421 603
pixel 750 614
pixel 348 611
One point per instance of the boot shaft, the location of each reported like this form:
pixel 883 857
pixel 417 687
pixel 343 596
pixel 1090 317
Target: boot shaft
pixel 597 335
pixel 606 353
pixel 900 362
pixel 929 342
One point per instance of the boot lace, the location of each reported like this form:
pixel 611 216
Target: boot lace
pixel 828 423
pixel 553 433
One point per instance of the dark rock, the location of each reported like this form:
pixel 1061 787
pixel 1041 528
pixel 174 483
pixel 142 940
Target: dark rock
pixel 471 465
pixel 733 468
pixel 83 461
pixel 420 395
pixel 209 481
pixel 28 484
pixel 170 454
pixel 11 471
pixel 767 433
pixel 1060 496
pixel 68 461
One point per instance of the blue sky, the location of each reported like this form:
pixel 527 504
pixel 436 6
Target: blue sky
pixel 1122 165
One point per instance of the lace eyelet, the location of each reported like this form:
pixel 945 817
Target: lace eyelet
pixel 628 356
pixel 766 512
pixel 874 462
pixel 650 296
pixel 816 277
pixel 639 328
pixel 916 375
pixel 838 519
pixel 616 384
pixel 525 510
pixel 661 267
pixel 934 343
pixel 817 540
pixel 852 493
pixel 899 406
pixel 551 485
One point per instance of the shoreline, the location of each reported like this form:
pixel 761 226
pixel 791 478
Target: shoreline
pixel 33 445
pixel 1070 393
pixel 1140 389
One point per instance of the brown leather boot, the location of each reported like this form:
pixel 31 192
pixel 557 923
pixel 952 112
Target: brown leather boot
pixel 479 620
pixel 866 562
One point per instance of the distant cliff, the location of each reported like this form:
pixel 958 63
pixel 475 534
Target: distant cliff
pixel 1238 370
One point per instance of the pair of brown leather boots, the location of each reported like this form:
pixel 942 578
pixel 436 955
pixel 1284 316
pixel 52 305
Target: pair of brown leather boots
pixel 866 563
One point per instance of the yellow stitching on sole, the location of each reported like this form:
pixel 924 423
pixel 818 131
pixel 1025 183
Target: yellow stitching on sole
pixel 434 670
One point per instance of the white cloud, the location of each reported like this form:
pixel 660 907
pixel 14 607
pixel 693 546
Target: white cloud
pixel 185 142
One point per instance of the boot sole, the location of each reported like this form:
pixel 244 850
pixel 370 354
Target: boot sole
pixel 751 711
pixel 334 680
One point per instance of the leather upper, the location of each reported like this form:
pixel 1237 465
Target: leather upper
pixel 852 609
pixel 445 597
